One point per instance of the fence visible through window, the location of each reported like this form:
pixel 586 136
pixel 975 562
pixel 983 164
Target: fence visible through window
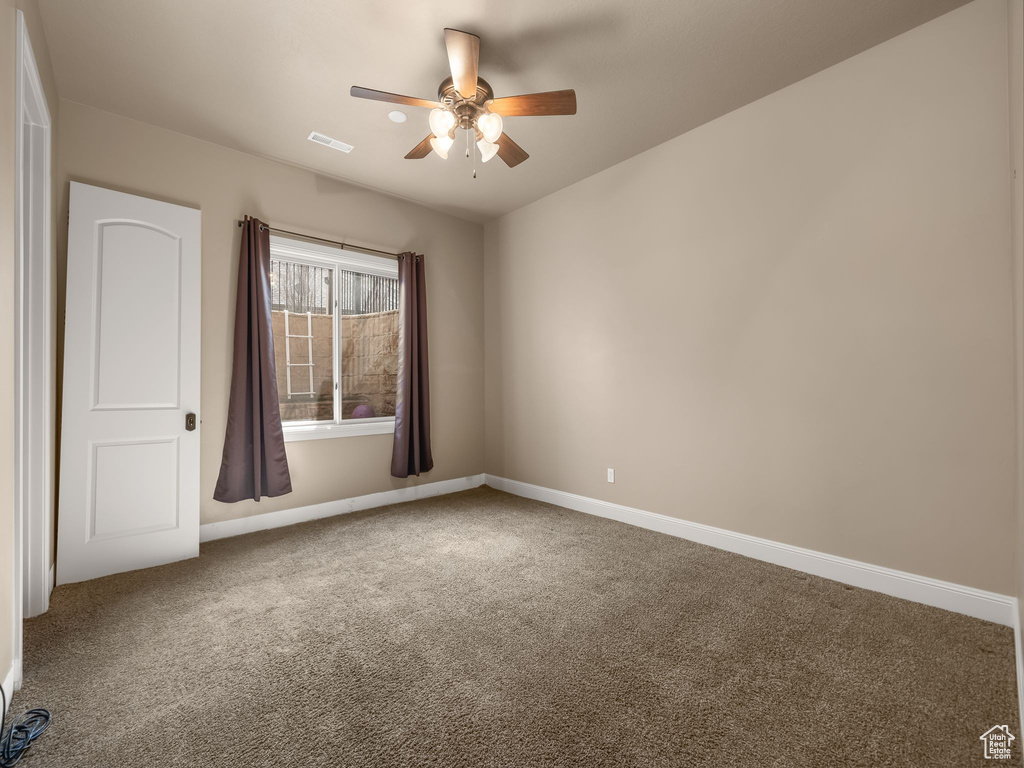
pixel 301 288
pixel 360 294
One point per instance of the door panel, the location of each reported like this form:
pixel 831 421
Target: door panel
pixel 137 335
pixel 134 488
pixel 129 487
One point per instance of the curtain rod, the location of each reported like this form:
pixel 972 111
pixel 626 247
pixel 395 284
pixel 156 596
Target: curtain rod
pixel 344 246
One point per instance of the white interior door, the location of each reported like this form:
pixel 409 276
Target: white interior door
pixel 129 467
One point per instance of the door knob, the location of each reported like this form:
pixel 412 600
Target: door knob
pixel 190 422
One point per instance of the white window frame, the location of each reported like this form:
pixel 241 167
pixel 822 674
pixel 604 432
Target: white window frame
pixel 335 259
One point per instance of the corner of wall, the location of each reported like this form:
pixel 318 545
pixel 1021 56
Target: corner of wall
pixel 1015 61
pixel 493 461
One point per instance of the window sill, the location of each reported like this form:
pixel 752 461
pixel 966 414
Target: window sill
pixel 353 428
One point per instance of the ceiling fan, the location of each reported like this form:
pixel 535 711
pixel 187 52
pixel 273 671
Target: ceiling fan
pixel 466 101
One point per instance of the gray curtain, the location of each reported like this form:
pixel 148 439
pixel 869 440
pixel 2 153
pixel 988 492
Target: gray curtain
pixel 411 453
pixel 254 462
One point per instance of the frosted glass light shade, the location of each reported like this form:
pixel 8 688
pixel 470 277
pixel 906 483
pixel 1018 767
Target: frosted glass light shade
pixel 490 126
pixel 441 121
pixel 487 149
pixel 441 145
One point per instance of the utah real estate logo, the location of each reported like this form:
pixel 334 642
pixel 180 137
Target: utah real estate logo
pixel 997 742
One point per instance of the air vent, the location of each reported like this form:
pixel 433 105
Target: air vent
pixel 327 141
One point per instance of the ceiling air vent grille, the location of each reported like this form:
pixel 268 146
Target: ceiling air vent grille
pixel 327 141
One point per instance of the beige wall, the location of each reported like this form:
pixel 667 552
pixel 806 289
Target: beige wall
pixel 103 149
pixel 794 322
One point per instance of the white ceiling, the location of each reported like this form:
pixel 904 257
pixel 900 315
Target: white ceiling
pixel 259 75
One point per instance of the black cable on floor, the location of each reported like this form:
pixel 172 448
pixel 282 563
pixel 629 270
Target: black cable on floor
pixel 24 730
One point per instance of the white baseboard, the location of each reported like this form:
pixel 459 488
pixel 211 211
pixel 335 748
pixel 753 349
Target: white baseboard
pixel 212 531
pixel 13 674
pixel 990 606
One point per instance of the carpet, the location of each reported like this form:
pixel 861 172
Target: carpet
pixel 482 629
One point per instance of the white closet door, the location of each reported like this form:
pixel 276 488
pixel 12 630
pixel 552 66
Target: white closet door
pixel 129 467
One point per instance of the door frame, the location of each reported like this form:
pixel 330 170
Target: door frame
pixel 33 453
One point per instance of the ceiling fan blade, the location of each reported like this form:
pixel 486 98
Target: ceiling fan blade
pixel 549 103
pixel 464 60
pixel 510 152
pixel 393 98
pixel 421 150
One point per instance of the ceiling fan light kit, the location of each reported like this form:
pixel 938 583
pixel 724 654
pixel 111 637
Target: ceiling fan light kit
pixel 442 122
pixel 487 150
pixel 441 145
pixel 465 100
pixel 490 126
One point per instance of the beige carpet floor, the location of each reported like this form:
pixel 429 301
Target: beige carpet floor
pixel 481 629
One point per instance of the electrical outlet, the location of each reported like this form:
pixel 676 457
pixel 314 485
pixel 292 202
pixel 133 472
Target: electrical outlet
pixel 611 475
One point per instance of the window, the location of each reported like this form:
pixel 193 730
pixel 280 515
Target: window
pixel 335 323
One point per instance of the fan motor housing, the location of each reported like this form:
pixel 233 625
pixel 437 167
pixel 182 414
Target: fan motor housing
pixel 448 96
